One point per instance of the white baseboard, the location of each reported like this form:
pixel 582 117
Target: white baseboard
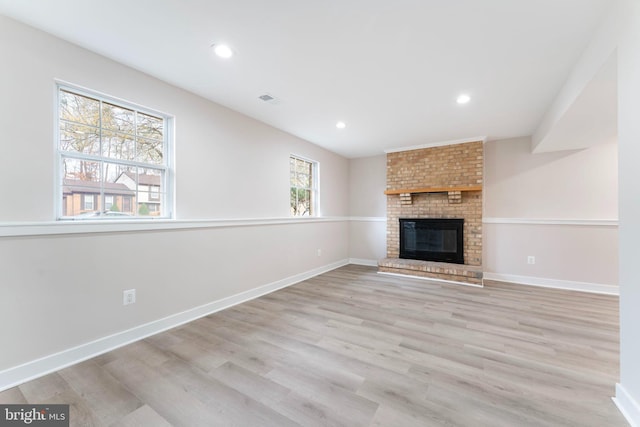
pixel 595 288
pixel 361 261
pixel 629 407
pixel 31 370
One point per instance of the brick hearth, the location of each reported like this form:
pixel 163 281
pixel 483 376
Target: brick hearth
pixel 441 270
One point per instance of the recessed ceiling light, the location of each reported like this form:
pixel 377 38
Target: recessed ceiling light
pixel 222 50
pixel 341 125
pixel 463 98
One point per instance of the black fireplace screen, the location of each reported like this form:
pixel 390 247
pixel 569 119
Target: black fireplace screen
pixel 432 239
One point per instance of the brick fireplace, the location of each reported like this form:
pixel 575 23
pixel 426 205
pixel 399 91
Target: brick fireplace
pixel 436 182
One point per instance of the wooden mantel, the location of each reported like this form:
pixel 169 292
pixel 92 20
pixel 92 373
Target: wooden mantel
pixel 434 189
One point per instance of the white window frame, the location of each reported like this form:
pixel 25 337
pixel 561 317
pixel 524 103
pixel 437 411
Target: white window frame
pixel 315 188
pixel 168 183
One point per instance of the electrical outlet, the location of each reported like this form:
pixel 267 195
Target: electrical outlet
pixel 531 259
pixel 129 297
pixel 319 252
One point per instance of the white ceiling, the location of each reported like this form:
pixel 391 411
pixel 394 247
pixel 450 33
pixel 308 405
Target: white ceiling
pixel 391 69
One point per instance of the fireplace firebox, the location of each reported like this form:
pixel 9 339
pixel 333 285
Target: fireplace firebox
pixel 432 239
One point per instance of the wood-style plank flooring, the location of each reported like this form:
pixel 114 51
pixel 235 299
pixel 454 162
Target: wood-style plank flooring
pixel 355 348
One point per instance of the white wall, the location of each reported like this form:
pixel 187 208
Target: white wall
pixel 580 184
pixel 628 391
pixel 368 209
pixel 367 182
pixel 572 191
pixel 64 290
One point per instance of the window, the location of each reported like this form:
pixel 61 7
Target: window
pixel 303 180
pixel 110 153
pixel 154 192
pixel 88 204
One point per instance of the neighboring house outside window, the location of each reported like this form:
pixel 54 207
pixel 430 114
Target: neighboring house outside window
pixel 83 198
pixel 303 183
pixel 148 190
pixel 113 157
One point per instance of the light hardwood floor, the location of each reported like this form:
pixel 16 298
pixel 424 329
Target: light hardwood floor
pixel 355 348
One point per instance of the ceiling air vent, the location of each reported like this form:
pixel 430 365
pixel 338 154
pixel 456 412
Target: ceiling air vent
pixel 266 97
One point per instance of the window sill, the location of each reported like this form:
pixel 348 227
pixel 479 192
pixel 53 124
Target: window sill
pixel 17 229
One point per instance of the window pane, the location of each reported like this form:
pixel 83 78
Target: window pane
pixel 300 202
pixel 294 201
pixel 79 138
pixel 118 118
pixel 120 184
pixel 118 145
pixel 113 172
pixel 150 127
pixel 304 202
pixel 79 109
pixel 128 191
pixel 84 171
pixel 150 151
pixel 303 167
pixel 150 192
pixel 80 183
pixel 303 180
pixel 143 185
